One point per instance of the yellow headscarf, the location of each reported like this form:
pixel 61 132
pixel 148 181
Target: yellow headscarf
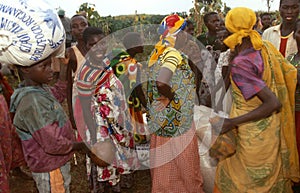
pixel 240 21
pixel 168 29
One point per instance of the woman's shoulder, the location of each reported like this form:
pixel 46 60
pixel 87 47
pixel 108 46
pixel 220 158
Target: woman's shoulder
pixel 248 58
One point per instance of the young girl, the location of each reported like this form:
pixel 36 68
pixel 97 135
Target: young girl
pixel 106 115
pixel 44 128
pixel 75 58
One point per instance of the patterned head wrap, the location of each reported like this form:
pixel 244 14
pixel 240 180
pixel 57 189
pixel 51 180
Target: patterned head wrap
pixel 169 28
pixel 240 21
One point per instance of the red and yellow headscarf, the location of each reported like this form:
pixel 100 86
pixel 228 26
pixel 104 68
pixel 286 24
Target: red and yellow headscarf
pixel 240 21
pixel 169 28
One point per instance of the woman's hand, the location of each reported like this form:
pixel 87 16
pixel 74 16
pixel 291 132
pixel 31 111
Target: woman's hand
pixel 221 125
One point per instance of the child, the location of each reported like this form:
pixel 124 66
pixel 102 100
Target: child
pixel 41 123
pixel 75 58
pixel 45 131
pixel 105 114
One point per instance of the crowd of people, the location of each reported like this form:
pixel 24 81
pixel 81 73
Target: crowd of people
pixel 247 76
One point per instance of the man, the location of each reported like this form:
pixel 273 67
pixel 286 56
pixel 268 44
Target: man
pixel 212 22
pixel 281 36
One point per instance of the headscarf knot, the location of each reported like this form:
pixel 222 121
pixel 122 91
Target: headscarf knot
pixel 240 21
pixel 170 26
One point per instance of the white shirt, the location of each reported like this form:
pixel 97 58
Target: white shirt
pixel 273 35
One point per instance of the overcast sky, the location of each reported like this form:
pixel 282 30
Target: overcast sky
pixel 123 7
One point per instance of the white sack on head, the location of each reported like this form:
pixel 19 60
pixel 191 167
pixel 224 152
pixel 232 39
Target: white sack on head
pixel 30 31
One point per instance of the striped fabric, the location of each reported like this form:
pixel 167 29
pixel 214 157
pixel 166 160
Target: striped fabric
pixel 175 164
pixel 171 58
pixel 56 181
pixel 88 74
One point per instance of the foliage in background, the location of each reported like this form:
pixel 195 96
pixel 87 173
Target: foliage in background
pixel 203 6
pixel 110 24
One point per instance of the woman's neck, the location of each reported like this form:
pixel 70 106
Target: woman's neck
pixel 245 45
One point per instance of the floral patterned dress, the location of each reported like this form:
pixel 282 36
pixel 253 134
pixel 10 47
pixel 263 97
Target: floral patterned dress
pixel 109 110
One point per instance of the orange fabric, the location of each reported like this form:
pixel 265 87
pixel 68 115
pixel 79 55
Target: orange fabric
pixel 216 190
pixel 57 181
pixel 180 174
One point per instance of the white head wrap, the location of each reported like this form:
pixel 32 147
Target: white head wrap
pixel 30 31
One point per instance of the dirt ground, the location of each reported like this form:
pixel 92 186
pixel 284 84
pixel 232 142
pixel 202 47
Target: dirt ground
pixel 79 183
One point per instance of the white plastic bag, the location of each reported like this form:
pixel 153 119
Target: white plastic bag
pixel 29 32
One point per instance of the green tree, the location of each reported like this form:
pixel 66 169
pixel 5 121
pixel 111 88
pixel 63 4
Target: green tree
pixel 203 6
pixel 94 18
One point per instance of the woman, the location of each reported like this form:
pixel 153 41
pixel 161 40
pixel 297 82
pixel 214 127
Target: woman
pixel 105 113
pixel 174 155
pixel 263 86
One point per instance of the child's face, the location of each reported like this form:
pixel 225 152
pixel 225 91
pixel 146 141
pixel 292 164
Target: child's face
pixel 222 34
pixel 190 29
pixel 78 25
pixel 266 21
pixel 40 73
pixel 97 47
pixel 213 23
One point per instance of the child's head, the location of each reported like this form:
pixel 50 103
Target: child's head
pixel 37 74
pixel 132 41
pixel 266 19
pixel 221 36
pixel 212 21
pixel 190 29
pixel 78 25
pixel 94 42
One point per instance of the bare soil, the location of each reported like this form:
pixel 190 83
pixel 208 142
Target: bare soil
pixel 79 183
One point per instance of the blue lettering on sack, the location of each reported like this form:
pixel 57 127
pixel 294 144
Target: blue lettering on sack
pixel 40 43
pixel 10 26
pixel 18 13
pixel 26 41
pixel 54 45
pixel 25 45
